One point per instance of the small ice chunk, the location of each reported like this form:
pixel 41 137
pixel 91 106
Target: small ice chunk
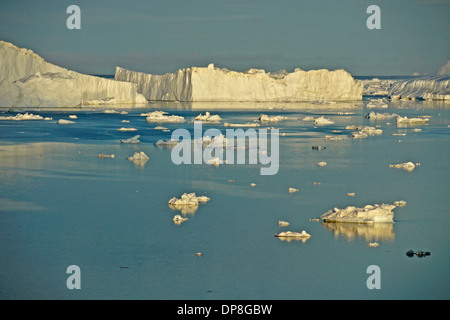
pixel 321 164
pixel 208 117
pixel 178 219
pixel 400 203
pixel 138 157
pixel 322 121
pixel 101 155
pixel 161 116
pixel 252 184
pixel 266 118
pixel 408 166
pixel 373 244
pixel 187 203
pixel 292 190
pixel 126 129
pixel 407 121
pixel 72 116
pixel 293 234
pixel 133 140
pixel 248 124
pixel 282 223
pixel 351 194
pixel 64 121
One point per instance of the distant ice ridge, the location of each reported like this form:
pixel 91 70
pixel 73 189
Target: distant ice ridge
pixel 445 69
pixel 219 84
pixel 27 80
pixel 427 88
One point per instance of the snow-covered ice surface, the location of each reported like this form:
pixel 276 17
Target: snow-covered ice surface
pixel 218 84
pixel 61 205
pixel 366 214
pixel 27 80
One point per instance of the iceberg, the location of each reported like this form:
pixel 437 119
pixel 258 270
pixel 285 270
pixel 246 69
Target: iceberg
pixel 266 118
pixel 293 235
pixel 408 166
pixel 25 116
pixel 219 84
pixel 367 214
pixel 139 158
pixel 64 121
pixel 161 116
pixel 322 121
pixel 187 203
pixel 26 79
pixel 208 118
pixel 380 116
pixel 426 88
pixel 132 140
pixel 406 121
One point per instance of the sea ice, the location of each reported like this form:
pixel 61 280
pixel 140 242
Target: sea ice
pixel 139 157
pixel 407 121
pixel 282 223
pixel 380 116
pixel 161 116
pixel 219 84
pixel 178 219
pixel 322 121
pixel 408 166
pixel 187 203
pixel 64 121
pixel 427 88
pixel 208 118
pixel 266 118
pixel 133 140
pixel 26 79
pixel 20 117
pixel 293 235
pixel 126 129
pixel 367 214
pixel 248 124
pixel 377 103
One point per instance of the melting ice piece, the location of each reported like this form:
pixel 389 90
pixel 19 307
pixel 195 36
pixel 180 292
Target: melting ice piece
pixel 406 121
pixel 367 214
pixel 139 157
pixel 380 116
pixel 400 203
pixel 322 121
pixel 288 235
pixel 133 140
pixel 408 166
pixel 321 164
pixel 377 103
pixel 101 155
pixel 292 190
pixel 161 116
pixel 282 223
pixel 208 117
pixel 178 219
pixel 248 124
pixel 64 121
pixel 126 129
pixel 20 117
pixel 266 118
pixel 188 203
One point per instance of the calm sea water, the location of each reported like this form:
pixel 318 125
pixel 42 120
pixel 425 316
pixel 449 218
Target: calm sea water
pixel 60 205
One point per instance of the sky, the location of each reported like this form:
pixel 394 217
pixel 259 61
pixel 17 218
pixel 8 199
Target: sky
pixel 162 36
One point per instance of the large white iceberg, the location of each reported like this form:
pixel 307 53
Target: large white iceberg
pixel 427 88
pixel 219 84
pixel 367 214
pixel 26 79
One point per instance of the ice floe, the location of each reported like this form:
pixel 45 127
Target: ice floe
pixel 178 219
pixel 381 103
pixel 367 214
pixel 322 121
pixel 380 116
pixel 126 129
pixel 25 116
pixel 248 124
pixel 408 166
pixel 266 118
pixel 139 158
pixel 132 140
pixel 208 118
pixel 411 121
pixel 64 121
pixel 187 203
pixel 161 116
pixel 293 235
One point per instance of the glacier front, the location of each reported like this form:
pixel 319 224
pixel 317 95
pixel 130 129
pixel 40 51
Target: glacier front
pixel 218 84
pixel 27 80
pixel 426 88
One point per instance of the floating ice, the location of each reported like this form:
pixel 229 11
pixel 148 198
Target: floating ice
pixel 322 121
pixel 64 121
pixel 292 190
pixel 101 155
pixel 208 117
pixel 217 84
pixel 26 79
pixel 282 223
pixel 21 117
pixel 407 121
pixel 380 116
pixel 266 118
pixel 292 235
pixel 321 164
pixel 377 103
pixel 248 124
pixel 408 166
pixel 139 157
pixel 161 116
pixel 187 203
pixel 178 219
pixel 400 203
pixel 126 129
pixel 367 214
pixel 133 140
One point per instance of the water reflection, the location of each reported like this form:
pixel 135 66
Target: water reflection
pixel 368 232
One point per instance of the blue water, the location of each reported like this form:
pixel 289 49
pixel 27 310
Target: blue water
pixel 60 205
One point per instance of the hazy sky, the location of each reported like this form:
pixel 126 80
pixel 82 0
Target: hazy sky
pixel 162 36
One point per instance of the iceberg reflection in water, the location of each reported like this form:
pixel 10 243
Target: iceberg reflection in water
pixel 368 232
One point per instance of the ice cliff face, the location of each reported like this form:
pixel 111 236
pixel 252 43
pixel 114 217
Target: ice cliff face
pixel 427 88
pixel 27 80
pixel 218 84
